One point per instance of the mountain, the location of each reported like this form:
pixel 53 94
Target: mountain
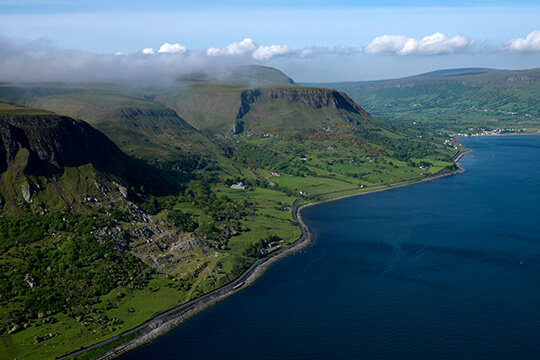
pixel 248 75
pixel 52 142
pixel 202 126
pixel 457 72
pixel 49 161
pixel 256 76
pixel 221 109
pixel 108 221
pixel 139 126
pixel 454 100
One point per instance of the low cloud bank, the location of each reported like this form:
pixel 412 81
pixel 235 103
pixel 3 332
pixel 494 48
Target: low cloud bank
pixel 264 53
pixel 39 61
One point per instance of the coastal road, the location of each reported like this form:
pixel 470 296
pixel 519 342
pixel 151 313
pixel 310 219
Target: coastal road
pixel 194 306
pixel 167 320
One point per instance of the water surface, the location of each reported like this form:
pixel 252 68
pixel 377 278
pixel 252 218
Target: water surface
pixel 448 269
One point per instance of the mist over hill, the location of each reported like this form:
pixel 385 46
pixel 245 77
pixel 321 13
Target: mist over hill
pixel 114 195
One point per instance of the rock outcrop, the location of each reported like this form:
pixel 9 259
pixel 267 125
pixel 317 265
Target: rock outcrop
pixel 315 98
pixel 39 150
pixel 53 143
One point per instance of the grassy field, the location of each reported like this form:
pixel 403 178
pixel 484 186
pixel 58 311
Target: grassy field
pixel 69 335
pixel 202 232
pixel 16 110
pixel 465 104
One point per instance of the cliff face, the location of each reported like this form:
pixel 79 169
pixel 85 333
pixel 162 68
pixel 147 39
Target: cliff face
pixel 48 161
pixel 315 98
pixel 53 143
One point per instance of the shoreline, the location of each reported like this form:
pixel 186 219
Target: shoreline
pixel 170 319
pixel 496 135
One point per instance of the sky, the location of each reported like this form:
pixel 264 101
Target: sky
pixel 311 41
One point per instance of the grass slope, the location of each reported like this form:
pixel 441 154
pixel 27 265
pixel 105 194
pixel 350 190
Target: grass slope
pixel 293 140
pixel 454 101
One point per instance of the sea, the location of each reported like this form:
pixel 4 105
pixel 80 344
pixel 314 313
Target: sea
pixel 446 269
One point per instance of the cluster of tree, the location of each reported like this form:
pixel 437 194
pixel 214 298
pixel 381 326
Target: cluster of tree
pixel 402 148
pixel 220 208
pixel 153 205
pixel 254 156
pixel 66 271
pixel 31 228
pixel 299 170
pixel 186 163
pixel 217 234
pixel 183 220
pixel 346 138
pixel 256 250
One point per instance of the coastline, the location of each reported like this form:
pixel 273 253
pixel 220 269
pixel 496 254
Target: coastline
pixel 168 320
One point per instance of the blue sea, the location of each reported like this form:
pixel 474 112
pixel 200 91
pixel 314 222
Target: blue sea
pixel 448 269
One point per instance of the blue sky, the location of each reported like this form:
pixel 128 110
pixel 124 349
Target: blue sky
pixel 311 41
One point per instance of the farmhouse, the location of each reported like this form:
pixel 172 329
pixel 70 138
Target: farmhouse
pixel 239 186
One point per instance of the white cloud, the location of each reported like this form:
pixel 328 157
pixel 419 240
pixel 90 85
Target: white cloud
pixel 529 44
pixel 265 53
pixel 436 44
pixel 306 52
pixel 237 48
pixel 172 48
pixel 386 45
pixel 249 47
pixel 311 51
pixel 39 61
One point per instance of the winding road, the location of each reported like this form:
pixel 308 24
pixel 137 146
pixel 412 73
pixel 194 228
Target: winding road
pixel 169 319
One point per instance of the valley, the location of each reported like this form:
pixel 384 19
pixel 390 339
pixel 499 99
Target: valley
pixel 466 101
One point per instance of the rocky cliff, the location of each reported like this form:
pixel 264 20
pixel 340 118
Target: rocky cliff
pixel 53 143
pixel 315 98
pixel 62 161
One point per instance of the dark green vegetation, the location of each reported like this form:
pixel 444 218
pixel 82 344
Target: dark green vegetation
pixel 102 229
pixel 461 100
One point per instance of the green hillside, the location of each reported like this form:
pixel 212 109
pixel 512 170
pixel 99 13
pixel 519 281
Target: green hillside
pixel 66 196
pixel 454 101
pixel 152 220
pixel 272 128
pixel 142 128
pixel 219 109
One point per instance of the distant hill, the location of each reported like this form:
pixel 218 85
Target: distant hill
pixel 179 126
pixel 145 121
pixel 221 109
pixel 454 100
pixel 457 72
pixel 257 76
pixel 253 76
